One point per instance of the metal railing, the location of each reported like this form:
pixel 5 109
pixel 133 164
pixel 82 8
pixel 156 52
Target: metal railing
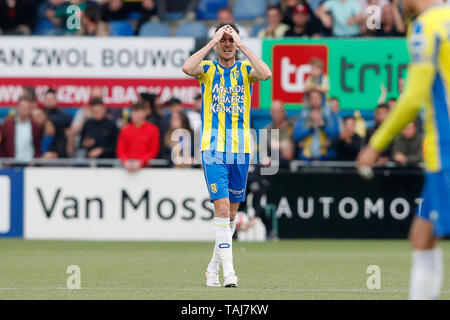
pixel 75 162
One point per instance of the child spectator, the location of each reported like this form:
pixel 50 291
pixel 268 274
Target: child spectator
pixel 138 141
pixel 318 80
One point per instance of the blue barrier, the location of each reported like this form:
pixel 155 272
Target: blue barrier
pixel 16 202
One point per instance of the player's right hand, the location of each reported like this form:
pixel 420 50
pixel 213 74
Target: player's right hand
pixel 218 35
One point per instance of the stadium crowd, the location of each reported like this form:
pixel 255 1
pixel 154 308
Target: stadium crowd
pixel 316 133
pixel 262 18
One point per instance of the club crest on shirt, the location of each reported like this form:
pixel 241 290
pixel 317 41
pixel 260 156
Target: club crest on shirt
pixel 213 187
pixel 235 74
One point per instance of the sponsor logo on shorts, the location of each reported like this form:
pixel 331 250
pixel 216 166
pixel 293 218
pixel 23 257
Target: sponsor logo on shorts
pixel 213 187
pixel 236 192
pixel 224 245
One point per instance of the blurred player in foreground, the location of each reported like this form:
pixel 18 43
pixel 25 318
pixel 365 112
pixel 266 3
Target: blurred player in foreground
pixel 226 90
pixel 428 84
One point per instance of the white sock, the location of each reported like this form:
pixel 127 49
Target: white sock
pixel 426 274
pixel 224 244
pixel 214 264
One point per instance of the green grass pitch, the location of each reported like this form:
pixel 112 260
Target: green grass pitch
pixel 302 269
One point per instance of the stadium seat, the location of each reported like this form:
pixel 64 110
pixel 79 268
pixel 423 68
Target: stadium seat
pixel 249 10
pixel 257 28
pixel 120 28
pixel 192 29
pixel 207 9
pixel 154 29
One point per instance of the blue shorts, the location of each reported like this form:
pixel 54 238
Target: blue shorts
pixel 226 174
pixel 436 202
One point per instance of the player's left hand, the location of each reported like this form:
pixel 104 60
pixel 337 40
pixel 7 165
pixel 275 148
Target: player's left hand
pixel 233 33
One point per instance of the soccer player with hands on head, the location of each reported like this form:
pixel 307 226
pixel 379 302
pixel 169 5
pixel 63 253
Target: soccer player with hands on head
pixel 225 140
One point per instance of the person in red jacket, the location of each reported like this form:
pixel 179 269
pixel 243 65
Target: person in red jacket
pixel 138 141
pixel 20 136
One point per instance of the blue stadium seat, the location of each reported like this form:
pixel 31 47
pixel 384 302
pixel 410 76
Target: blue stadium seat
pixel 44 27
pixel 174 15
pixel 249 10
pixel 120 28
pixel 207 9
pixel 154 29
pixel 257 28
pixel 192 29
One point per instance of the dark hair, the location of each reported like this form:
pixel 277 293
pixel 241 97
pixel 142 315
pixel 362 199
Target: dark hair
pixel 382 106
pixel 273 7
pixel 223 24
pixel 50 90
pixel 173 101
pixel 96 102
pixel 138 106
pixel 92 14
pixel 348 118
pixel 30 93
pixel 23 98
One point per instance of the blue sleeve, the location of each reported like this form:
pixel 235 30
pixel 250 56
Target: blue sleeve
pixel 301 129
pixel 331 124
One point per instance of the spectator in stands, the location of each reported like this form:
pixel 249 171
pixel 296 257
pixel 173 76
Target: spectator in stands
pixel 407 146
pixel 64 14
pixel 99 134
pixel 61 120
pixel 174 105
pixel 114 10
pixel 302 26
pixel 139 141
pixel 180 143
pixel 391 103
pixel 147 9
pixel 283 145
pixel 342 16
pixel 91 23
pixel 186 7
pixel 20 136
pixel 275 28
pixel 318 79
pixel 392 23
pixel 349 143
pixel 17 17
pixel 287 8
pixel 315 129
pixel 156 115
pixel 335 105
pixel 380 114
pixel 47 11
pixel 60 117
pixel 226 15
pixel 30 94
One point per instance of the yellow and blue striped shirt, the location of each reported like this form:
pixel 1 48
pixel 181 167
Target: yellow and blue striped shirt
pixel 428 85
pixel 226 106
